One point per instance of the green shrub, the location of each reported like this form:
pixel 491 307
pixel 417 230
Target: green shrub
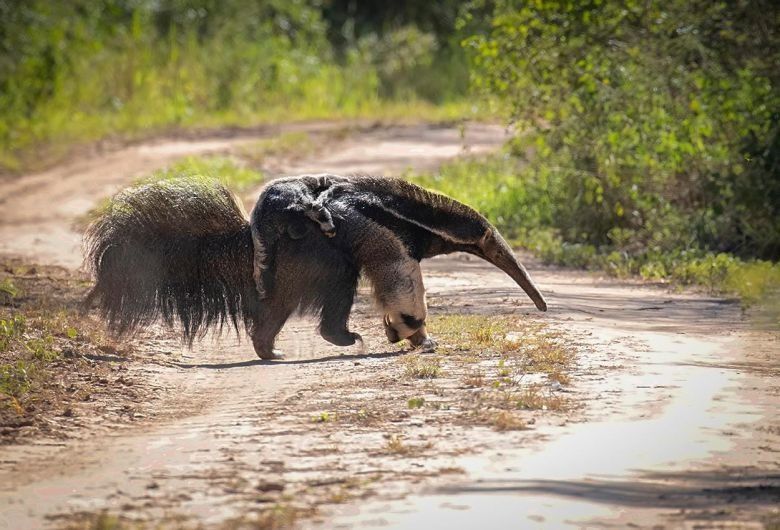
pixel 10 329
pixel 15 379
pixel 526 207
pixel 654 126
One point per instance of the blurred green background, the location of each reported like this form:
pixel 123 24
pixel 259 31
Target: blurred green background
pixel 83 69
pixel 646 132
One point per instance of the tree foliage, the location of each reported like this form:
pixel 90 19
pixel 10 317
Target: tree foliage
pixel 652 124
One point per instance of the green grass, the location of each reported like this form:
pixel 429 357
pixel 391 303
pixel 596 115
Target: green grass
pixel 27 347
pixel 323 417
pixel 522 347
pixel 752 281
pixel 416 402
pixel 41 332
pixel 421 367
pixel 28 344
pixel 230 171
pixel 8 288
pixel 511 367
pixel 80 73
pixel 62 136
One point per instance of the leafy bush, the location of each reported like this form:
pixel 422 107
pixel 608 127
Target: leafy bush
pixel 525 206
pixel 653 125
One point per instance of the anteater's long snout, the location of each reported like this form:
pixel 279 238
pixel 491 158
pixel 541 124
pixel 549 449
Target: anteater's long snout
pixel 497 251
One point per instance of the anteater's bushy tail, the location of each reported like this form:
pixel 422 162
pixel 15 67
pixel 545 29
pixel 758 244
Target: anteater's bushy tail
pixel 179 250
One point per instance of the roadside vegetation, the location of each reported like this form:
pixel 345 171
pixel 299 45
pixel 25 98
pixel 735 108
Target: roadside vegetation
pixel 30 341
pixel 647 137
pixel 80 71
pixel 525 208
pixel 52 358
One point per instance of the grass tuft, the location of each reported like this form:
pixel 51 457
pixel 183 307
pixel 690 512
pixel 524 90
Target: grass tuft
pixel 395 445
pixel 416 403
pixel 422 367
pixel 323 417
pixel 8 288
pixel 281 516
pixel 506 420
pixel 534 397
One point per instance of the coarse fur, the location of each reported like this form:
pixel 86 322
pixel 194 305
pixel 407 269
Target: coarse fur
pixel 384 228
pixel 360 245
pixel 430 224
pixel 178 250
pixel 309 275
pixel 283 208
pixel 183 251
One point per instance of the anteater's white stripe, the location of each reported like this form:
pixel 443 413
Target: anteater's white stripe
pixel 444 235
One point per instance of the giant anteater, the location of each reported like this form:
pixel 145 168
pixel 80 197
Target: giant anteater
pixel 183 251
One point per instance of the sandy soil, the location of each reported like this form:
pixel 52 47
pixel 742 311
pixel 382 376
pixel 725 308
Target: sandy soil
pixel 673 418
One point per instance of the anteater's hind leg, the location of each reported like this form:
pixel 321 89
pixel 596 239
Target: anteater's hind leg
pixel 337 304
pixel 267 324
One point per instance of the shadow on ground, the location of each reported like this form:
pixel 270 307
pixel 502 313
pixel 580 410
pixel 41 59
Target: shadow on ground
pixel 689 490
pixel 282 362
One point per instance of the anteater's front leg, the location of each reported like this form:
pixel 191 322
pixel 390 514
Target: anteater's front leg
pixel 402 297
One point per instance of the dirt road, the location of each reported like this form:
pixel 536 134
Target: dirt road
pixel 675 419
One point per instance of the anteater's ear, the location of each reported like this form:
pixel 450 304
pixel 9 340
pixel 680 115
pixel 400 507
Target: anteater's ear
pixel 457 227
